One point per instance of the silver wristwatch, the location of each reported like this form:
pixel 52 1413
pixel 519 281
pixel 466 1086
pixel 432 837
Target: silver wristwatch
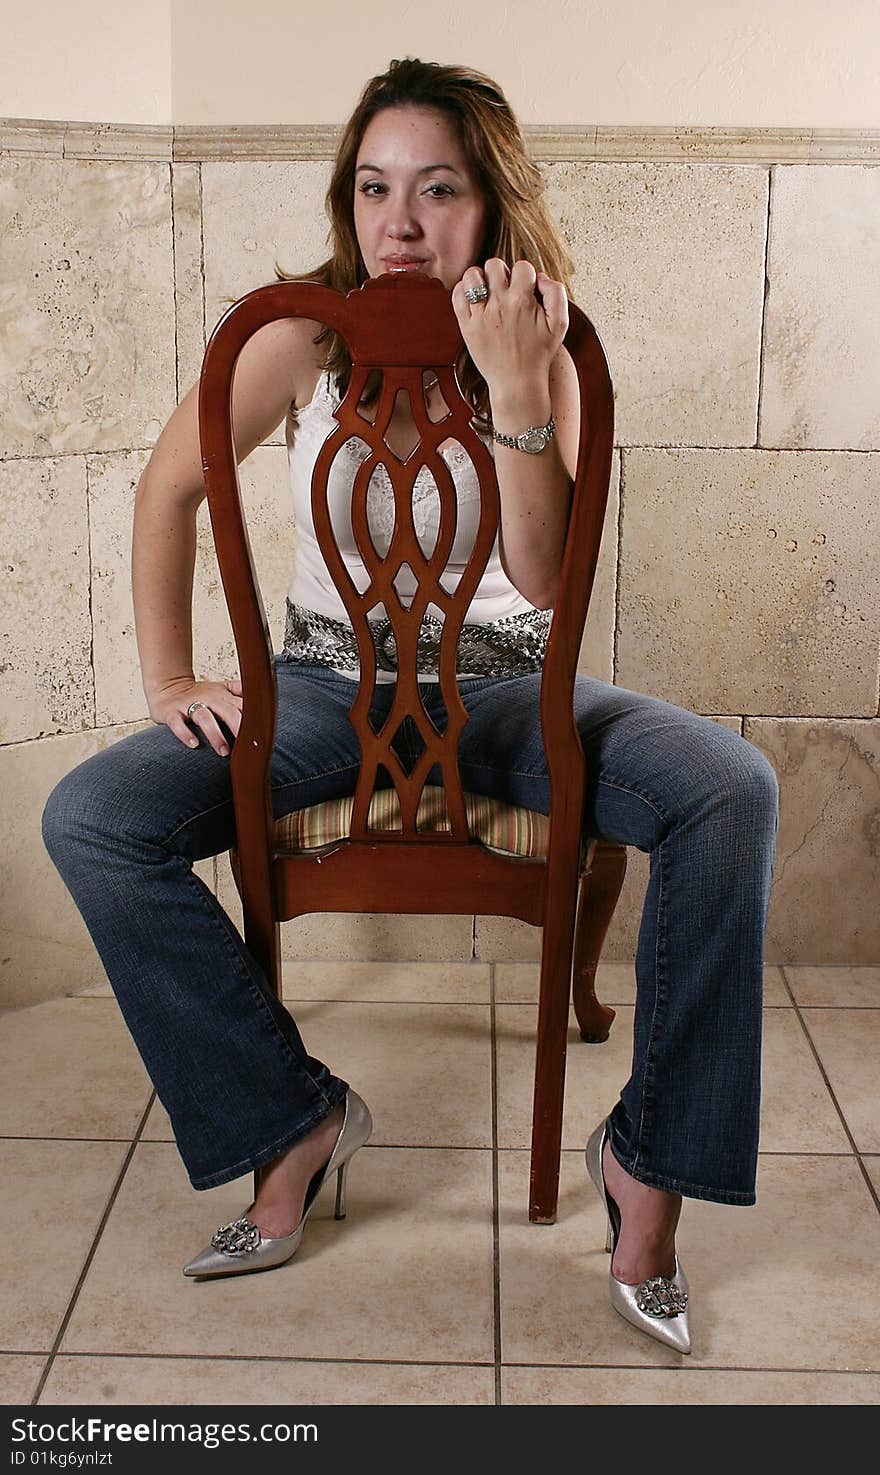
pixel 532 440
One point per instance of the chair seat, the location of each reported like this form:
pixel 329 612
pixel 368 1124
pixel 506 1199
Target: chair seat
pixel 505 827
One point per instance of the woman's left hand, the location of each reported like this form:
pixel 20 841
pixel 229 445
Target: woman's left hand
pixel 516 332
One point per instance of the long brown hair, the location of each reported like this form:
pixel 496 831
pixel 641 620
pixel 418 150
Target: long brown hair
pixel 518 224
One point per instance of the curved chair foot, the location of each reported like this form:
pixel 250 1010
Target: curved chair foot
pixel 599 1035
pixel 600 888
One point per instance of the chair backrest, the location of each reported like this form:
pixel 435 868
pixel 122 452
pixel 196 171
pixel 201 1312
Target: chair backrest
pixel 400 325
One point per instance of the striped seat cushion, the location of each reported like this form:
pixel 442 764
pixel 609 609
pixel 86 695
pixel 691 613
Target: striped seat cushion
pixel 503 826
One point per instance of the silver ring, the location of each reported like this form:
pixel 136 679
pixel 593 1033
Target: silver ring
pixel 477 294
pixel 192 707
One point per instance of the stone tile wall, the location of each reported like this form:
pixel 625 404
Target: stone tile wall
pixel 737 305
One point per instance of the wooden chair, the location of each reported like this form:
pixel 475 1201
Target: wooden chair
pixel 404 325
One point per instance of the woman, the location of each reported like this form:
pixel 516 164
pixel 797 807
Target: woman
pixel 431 176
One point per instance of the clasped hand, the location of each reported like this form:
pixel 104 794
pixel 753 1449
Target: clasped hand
pixel 516 332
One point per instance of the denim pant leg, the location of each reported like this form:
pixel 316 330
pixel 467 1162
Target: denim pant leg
pixel 123 829
pixel 703 803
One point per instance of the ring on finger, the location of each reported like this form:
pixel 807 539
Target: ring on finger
pixel 477 294
pixel 192 707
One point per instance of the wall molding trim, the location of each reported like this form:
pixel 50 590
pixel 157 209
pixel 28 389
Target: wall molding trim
pixel 547 143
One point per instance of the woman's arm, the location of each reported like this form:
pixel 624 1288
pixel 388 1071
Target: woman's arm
pixel 535 491
pixel 272 370
pixel 515 339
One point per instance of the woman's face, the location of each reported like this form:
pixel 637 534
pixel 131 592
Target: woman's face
pixel 416 204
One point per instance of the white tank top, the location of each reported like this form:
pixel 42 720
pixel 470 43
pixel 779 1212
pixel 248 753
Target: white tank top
pixel 311 587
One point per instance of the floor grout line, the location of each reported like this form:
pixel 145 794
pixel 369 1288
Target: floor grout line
pixel 491 1147
pixel 74 1296
pixel 496 1213
pixel 617 1003
pixel 843 1121
pixel 263 1358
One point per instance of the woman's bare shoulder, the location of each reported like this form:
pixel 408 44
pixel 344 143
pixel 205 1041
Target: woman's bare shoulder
pixel 292 340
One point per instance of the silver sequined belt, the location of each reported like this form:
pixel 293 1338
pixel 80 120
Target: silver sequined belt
pixel 511 646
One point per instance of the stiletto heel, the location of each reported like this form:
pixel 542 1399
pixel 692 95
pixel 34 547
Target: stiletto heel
pixel 339 1211
pixel 658 1306
pixel 239 1247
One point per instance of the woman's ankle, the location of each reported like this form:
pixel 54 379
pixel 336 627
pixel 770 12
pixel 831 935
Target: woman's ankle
pixel 278 1206
pixel 648 1222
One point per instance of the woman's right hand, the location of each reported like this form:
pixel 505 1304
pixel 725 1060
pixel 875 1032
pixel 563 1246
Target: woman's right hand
pixel 221 699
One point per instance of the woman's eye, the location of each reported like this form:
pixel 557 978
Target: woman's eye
pixel 375 187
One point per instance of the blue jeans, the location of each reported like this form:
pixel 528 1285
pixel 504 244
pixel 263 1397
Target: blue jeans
pixel 227 1060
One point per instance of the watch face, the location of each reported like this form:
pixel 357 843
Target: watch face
pixel 534 440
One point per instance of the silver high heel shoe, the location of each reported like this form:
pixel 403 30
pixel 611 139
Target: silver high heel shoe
pixel 657 1306
pixel 239 1247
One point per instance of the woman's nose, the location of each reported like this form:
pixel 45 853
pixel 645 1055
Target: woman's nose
pixel 402 224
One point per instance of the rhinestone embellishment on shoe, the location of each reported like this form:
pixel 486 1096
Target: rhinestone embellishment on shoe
pixel 660 1297
pixel 236 1238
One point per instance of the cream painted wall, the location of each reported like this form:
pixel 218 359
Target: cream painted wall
pixel 95 61
pixel 721 63
pixel 725 63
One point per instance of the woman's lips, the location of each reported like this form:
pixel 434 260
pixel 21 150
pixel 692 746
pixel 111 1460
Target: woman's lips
pixel 391 264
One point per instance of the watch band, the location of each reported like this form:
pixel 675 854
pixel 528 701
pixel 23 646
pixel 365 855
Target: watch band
pixel 521 442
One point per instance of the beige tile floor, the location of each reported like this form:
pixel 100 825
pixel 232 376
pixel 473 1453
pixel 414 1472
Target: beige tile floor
pixel 436 1289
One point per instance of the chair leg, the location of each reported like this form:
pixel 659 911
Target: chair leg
pixel 547 1110
pixel 550 1051
pixel 598 895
